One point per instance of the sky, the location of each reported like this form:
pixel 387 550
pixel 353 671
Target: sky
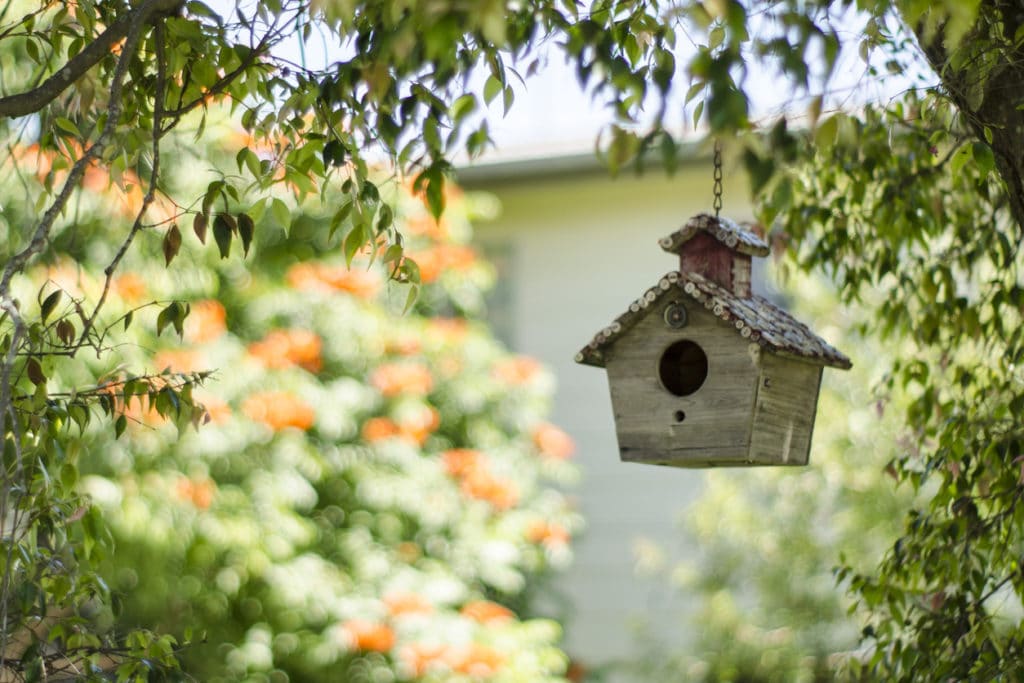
pixel 552 115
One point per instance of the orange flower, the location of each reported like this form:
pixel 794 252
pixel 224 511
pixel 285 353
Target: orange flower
pixel 477 660
pixel 394 379
pixel 549 534
pixel 68 276
pixel 402 603
pixel 284 348
pixel 552 441
pixel 470 468
pixel 440 258
pixel 279 409
pixel 419 424
pixel 379 428
pixel 178 360
pixel 487 612
pixel 369 636
pixel 406 345
pixel 459 462
pixel 198 492
pixel 206 322
pixel 447 330
pixel 516 370
pixel 363 284
pixel 421 657
pixel 415 426
pixel 482 485
pixel 408 552
pixel 126 198
pixel 140 410
pixel 129 287
pixel 427 226
pixel 218 410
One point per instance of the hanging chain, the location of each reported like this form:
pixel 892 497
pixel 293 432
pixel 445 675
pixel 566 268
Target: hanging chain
pixel 718 177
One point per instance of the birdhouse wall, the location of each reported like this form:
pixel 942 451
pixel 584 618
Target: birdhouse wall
pixel 787 401
pixel 708 427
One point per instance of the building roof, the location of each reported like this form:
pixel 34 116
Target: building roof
pixel 755 318
pixel 724 230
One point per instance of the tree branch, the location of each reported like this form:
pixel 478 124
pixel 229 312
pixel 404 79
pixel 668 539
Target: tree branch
pixel 37 98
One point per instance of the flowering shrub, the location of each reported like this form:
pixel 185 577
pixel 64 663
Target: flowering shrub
pixel 372 495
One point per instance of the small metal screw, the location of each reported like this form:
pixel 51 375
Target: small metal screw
pixel 675 315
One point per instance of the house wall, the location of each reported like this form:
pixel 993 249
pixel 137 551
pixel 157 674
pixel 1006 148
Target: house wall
pixel 576 248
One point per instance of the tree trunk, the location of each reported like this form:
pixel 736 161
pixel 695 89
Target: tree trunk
pixel 989 96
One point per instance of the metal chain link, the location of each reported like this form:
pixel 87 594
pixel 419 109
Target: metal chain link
pixel 718 177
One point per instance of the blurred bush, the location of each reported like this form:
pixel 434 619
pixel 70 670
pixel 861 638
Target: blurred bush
pixel 375 493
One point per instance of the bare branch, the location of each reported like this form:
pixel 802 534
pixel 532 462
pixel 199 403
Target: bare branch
pixel 37 98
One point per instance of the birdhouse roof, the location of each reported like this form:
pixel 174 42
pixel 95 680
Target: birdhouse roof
pixel 724 230
pixel 755 318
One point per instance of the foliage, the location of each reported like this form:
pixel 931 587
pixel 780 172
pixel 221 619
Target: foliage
pixel 923 195
pixel 91 95
pixel 918 198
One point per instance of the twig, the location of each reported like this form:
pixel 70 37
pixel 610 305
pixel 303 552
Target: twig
pixel 154 175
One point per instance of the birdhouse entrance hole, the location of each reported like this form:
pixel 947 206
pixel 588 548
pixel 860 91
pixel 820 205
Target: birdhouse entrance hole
pixel 683 368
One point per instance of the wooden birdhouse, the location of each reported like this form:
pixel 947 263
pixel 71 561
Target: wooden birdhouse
pixel 705 373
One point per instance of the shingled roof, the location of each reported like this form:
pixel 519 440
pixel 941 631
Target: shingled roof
pixel 724 230
pixel 755 318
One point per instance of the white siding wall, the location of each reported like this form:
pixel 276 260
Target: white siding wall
pixel 582 246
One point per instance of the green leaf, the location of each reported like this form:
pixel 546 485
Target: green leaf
pixel 282 214
pixel 983 157
pixel 49 303
pixel 410 300
pixel 35 372
pixel 339 217
pixel 213 192
pixel 223 226
pixel 385 218
pixel 334 153
pixel 826 133
pixel 169 315
pixel 463 107
pixel 68 126
pixel 66 331
pixel 171 244
pixel 199 225
pixel 492 88
pixel 119 426
pixel 759 169
pixel 354 241
pixel 960 158
pixel 246 229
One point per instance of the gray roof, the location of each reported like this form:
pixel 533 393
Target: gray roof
pixel 755 318
pixel 724 230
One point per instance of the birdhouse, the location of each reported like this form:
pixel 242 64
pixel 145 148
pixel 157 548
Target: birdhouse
pixel 705 373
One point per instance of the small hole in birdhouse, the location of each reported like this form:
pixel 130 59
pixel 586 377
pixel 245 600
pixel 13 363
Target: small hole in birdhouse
pixel 683 368
pixel 680 416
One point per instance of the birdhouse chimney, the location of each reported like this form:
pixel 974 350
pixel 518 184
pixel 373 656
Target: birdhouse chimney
pixel 718 249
